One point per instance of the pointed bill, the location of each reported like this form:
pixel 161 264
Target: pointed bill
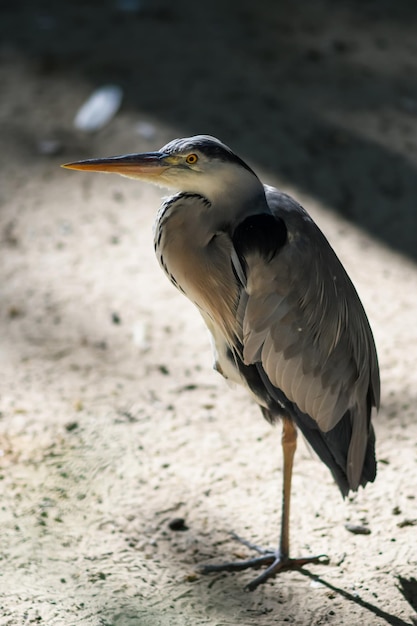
pixel 145 166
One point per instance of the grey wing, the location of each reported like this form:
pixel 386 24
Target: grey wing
pixel 302 320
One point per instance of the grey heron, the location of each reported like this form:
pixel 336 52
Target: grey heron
pixel 285 318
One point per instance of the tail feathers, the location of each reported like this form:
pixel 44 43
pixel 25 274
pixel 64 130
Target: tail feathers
pixel 369 466
pixel 332 448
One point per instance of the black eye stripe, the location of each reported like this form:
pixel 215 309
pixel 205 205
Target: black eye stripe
pixel 209 147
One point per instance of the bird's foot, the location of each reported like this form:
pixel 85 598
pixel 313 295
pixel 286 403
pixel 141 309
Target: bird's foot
pixel 274 560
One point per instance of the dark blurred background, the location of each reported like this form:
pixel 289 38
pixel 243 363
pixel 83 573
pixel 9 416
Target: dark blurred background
pixel 322 94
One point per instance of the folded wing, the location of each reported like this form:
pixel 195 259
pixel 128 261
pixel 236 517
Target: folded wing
pixel 302 322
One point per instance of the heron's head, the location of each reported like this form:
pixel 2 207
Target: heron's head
pixel 200 164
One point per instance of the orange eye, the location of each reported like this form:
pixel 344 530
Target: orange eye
pixel 191 159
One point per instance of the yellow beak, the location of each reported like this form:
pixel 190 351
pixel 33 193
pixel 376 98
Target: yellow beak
pixel 148 165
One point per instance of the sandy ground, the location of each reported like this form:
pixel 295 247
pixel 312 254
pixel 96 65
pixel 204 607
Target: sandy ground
pixel 112 421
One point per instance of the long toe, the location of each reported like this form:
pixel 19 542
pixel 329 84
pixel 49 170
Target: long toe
pixel 281 564
pixel 238 566
pixel 275 564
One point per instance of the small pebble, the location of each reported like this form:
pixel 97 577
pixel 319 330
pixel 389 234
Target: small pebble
pixel 356 529
pixel 177 524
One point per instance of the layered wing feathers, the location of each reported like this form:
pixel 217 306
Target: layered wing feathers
pixel 302 320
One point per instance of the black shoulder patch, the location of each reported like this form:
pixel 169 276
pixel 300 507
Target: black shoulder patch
pixel 262 233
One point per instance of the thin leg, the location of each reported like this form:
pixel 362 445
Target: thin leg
pixel 280 560
pixel 289 446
